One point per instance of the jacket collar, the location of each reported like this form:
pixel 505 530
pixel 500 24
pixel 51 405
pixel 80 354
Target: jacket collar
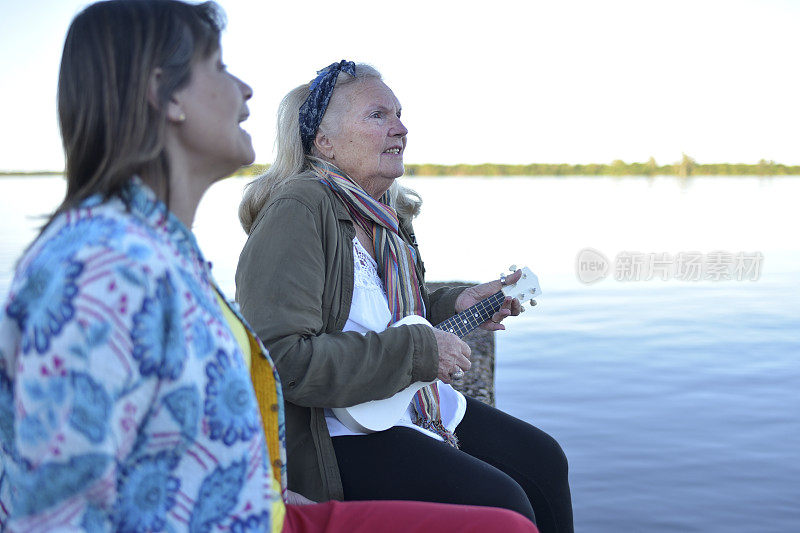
pixel 143 204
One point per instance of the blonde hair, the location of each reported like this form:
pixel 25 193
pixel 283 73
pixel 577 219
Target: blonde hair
pixel 293 163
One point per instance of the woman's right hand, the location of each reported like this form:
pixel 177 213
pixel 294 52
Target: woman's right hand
pixel 453 354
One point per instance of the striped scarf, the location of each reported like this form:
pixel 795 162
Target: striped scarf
pixel 396 260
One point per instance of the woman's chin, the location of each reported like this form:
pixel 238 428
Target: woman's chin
pixel 394 171
pixel 251 157
pixel 244 158
pixel 248 153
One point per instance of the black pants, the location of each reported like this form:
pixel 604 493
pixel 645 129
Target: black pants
pixel 503 462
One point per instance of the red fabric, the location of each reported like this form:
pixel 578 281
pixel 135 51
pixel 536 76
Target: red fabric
pixel 401 517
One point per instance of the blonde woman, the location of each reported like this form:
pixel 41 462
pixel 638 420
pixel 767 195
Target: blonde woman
pixel 331 260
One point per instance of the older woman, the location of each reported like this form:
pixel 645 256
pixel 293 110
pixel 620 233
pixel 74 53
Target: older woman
pixel 126 400
pixel 330 261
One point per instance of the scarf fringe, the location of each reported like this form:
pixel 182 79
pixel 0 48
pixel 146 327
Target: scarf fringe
pixel 437 427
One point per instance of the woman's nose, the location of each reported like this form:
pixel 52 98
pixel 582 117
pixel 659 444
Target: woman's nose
pixel 398 129
pixel 247 91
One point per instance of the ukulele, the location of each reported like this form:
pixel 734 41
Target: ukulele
pixel 379 415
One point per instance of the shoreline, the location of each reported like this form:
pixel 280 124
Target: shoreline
pixel 246 173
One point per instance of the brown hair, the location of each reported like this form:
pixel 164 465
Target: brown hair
pixel 109 128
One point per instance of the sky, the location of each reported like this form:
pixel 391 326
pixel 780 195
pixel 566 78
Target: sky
pixel 536 81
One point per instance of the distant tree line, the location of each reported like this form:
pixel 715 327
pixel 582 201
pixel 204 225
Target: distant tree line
pixel 30 172
pixel 687 166
pixel 252 170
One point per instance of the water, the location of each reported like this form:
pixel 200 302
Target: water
pixel 676 402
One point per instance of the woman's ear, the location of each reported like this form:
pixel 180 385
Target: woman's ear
pixel 173 110
pixel 324 145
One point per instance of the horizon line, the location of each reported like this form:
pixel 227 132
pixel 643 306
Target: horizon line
pixel 613 163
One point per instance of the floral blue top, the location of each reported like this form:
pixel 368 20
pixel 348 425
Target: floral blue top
pixel 125 403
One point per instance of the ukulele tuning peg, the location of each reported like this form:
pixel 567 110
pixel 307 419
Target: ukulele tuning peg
pixel 522 309
pixel 513 268
pixel 533 303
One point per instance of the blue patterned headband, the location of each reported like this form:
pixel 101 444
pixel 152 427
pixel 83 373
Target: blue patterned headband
pixel 313 109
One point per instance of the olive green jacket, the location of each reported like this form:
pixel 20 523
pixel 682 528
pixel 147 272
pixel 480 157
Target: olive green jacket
pixel 294 283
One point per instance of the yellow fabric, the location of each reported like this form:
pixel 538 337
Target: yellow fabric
pixel 266 392
pixel 264 384
pixel 238 329
pixel 278 510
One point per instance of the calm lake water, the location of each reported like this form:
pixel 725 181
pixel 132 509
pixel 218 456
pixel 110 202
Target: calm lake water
pixel 676 401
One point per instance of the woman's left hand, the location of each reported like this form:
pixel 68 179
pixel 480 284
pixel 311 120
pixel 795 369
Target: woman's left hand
pixel 476 293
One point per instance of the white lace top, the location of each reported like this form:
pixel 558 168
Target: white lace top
pixel 370 312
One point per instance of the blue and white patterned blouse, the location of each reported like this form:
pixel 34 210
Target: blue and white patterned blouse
pixel 125 403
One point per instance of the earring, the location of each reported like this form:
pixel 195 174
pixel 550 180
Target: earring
pixel 181 117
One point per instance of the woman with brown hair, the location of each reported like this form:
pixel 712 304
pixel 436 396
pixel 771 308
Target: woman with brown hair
pixel 126 400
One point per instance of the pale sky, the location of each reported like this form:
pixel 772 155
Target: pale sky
pixel 572 81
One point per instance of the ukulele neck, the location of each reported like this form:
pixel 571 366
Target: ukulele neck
pixel 469 319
